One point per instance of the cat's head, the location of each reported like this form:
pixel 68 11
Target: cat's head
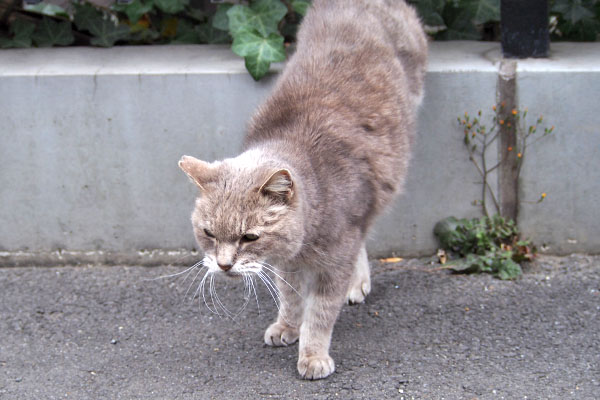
pixel 248 212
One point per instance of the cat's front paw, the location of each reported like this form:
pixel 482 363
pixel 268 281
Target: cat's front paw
pixel 316 367
pixel 281 335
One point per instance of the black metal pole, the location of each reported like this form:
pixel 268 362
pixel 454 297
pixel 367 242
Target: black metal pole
pixel 524 28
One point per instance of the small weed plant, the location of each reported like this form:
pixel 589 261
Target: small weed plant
pixel 478 141
pixel 486 244
pixel 491 243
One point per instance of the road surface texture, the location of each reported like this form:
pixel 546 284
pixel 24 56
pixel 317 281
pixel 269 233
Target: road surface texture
pixel 109 332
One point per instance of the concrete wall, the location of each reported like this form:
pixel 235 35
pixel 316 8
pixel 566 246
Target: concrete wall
pixel 90 139
pixel 566 90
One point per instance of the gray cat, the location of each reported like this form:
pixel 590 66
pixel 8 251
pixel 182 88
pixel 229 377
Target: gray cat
pixel 323 156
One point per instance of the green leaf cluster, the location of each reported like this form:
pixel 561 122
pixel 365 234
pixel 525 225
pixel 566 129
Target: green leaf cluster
pixel 458 19
pixel 258 31
pixel 486 244
pixel 105 30
pixel 575 20
pixel 46 33
pixel 256 36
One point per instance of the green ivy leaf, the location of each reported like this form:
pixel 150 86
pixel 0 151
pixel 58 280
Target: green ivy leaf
pixel 171 6
pixel 262 16
pixel 135 10
pixel 586 30
pixel 259 51
pixel 430 11
pixel 84 15
pixel 289 29
pixel 106 33
pixel 168 27
pixel 5 42
pixel 483 11
pixel 573 11
pixel 21 31
pixel 47 9
pixel 196 14
pixel 300 6
pixel 51 33
pixel 142 34
pixel 210 35
pixel 220 19
pixel 101 25
pixel 459 24
pixel 186 33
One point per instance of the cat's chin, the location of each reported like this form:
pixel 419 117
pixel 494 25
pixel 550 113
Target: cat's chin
pixel 231 274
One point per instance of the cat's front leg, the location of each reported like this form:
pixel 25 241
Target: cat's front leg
pixel 320 312
pixel 286 329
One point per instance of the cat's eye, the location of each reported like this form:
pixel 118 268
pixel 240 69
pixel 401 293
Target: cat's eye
pixel 208 233
pixel 249 237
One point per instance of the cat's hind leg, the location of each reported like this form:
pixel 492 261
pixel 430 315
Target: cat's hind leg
pixel 360 283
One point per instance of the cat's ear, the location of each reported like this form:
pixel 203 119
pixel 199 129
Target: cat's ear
pixel 279 186
pixel 198 171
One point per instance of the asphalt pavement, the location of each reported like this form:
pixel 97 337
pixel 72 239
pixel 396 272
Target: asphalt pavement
pixel 110 332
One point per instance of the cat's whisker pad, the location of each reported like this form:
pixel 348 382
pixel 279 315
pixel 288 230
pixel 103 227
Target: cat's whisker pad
pixel 244 272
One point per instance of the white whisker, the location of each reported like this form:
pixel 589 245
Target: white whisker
pixel 264 263
pixel 275 288
pixel 175 274
pixel 270 283
pixel 201 262
pixel 192 284
pixel 255 294
pixel 247 272
pixel 178 260
pixel 283 280
pixel 272 289
pixel 247 288
pixel 228 313
pixel 212 291
pixel 260 275
pixel 246 296
pixel 201 287
pixel 196 293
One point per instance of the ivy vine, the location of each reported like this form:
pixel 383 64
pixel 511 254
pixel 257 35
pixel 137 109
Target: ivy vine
pixel 258 30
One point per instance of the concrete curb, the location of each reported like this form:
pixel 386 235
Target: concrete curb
pixel 91 139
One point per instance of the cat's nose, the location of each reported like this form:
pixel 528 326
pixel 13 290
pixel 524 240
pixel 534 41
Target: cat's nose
pixel 225 267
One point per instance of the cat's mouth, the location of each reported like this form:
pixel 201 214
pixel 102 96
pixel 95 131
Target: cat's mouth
pixel 232 274
pixel 239 270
